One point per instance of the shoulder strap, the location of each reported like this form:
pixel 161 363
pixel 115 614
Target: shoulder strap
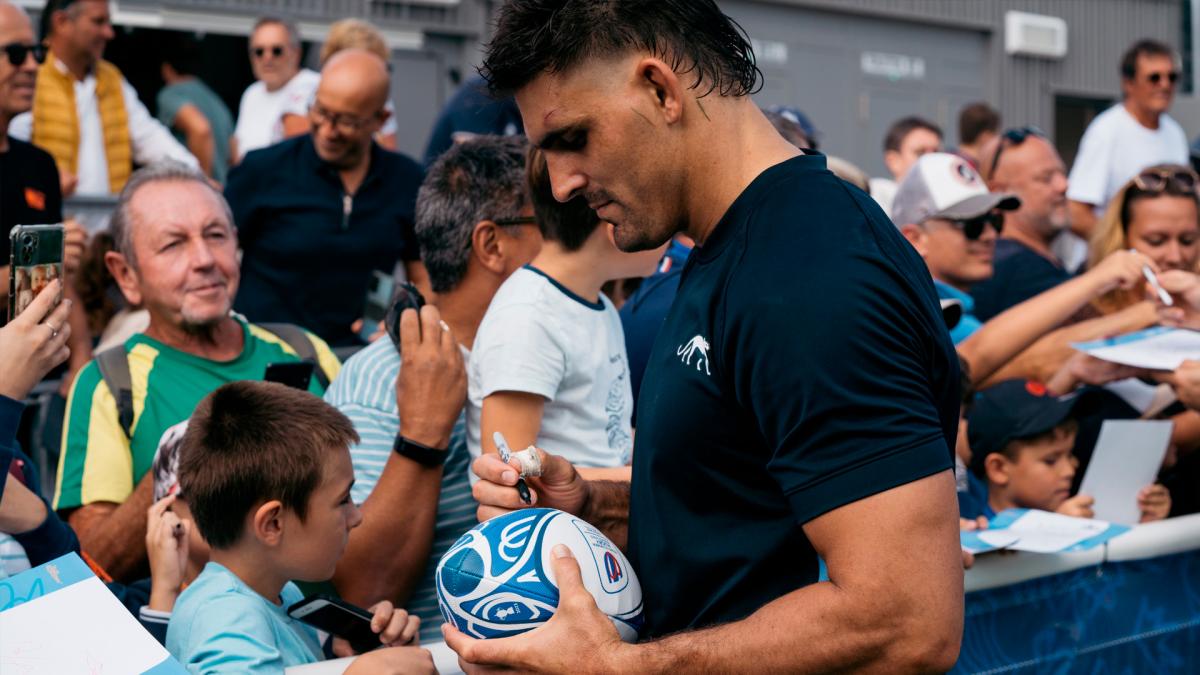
pixel 298 340
pixel 114 369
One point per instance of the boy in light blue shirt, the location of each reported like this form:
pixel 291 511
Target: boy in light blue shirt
pixel 268 476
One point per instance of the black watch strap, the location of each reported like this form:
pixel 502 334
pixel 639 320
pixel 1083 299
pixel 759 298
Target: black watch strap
pixel 421 454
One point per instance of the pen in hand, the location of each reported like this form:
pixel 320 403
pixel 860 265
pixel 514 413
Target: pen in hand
pixel 1163 295
pixel 506 455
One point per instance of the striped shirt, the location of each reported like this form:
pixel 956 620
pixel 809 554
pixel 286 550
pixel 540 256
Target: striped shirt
pixel 365 391
pixel 99 462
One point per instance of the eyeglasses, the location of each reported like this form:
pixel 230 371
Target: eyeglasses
pixel 18 53
pixel 1013 137
pixel 519 220
pixel 1179 180
pixel 1171 76
pixel 344 124
pixel 972 228
pixel 276 51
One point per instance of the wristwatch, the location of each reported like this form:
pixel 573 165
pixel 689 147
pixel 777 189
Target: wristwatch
pixel 421 454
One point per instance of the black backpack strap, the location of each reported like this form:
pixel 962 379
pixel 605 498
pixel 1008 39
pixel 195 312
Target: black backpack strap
pixel 298 340
pixel 114 369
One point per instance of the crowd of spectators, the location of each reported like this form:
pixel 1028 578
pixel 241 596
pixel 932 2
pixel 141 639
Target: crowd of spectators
pixel 200 494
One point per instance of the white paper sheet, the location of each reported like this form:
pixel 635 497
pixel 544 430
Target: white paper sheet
pixel 445 660
pixel 1155 349
pixel 1045 532
pixel 80 628
pixel 1127 458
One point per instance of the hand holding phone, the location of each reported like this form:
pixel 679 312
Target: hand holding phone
pixel 36 259
pixel 32 344
pixel 364 630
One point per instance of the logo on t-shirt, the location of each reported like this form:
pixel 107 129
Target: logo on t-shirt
pixel 35 199
pixel 696 348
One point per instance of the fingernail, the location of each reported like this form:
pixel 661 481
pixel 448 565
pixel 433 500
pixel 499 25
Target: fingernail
pixel 509 476
pixel 561 551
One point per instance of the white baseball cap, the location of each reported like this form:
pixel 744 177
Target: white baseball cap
pixel 942 185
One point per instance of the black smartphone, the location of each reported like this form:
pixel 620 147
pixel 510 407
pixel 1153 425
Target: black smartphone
pixel 338 618
pixel 35 260
pixel 405 297
pixel 296 374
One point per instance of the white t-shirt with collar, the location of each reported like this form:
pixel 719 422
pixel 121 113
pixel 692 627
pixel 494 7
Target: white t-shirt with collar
pixel 537 337
pixel 1115 148
pixel 260 113
pixel 150 140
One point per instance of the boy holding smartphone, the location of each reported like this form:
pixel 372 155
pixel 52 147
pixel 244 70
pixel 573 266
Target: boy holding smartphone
pixel 267 472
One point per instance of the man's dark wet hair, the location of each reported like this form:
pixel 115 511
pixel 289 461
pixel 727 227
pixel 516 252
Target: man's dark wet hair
pixel 552 36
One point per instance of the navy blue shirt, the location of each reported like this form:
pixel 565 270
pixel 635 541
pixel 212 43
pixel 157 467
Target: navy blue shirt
pixel 1019 274
pixel 472 109
pixel 804 365
pixel 309 248
pixel 643 313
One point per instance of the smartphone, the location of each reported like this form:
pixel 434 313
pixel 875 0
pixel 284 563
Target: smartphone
pixel 35 260
pixel 295 374
pixel 375 309
pixel 405 297
pixel 338 618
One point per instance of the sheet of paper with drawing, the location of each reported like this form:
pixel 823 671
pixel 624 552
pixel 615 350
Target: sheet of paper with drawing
pixel 59 618
pixel 1127 458
pixel 1040 532
pixel 1154 348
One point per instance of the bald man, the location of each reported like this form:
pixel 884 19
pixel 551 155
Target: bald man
pixel 317 214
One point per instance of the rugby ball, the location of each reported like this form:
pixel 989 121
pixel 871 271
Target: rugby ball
pixel 498 579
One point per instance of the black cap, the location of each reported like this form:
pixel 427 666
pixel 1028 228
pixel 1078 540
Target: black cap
pixel 1010 411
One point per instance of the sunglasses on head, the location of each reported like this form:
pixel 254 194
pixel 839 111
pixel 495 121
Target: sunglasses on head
pixel 972 228
pixel 1013 137
pixel 1179 180
pixel 276 51
pixel 17 53
pixel 1171 76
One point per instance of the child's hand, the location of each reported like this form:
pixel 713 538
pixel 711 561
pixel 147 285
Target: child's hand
pixel 1154 501
pixel 1079 506
pixel 980 523
pixel 167 548
pixel 394 661
pixel 395 627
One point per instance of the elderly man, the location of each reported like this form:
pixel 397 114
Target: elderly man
pixel 475 226
pixel 85 114
pixel 176 256
pixel 317 213
pixel 272 105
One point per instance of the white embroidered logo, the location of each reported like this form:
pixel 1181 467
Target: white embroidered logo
pixel 696 345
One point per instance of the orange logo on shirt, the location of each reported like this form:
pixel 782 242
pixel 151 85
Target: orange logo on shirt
pixel 35 199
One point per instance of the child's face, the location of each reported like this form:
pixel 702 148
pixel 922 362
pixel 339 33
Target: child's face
pixel 1041 476
pixel 315 545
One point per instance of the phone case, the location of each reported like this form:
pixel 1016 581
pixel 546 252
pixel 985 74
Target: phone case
pixel 36 259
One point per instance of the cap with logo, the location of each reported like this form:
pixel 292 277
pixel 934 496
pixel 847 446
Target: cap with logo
pixel 1010 411
pixel 941 185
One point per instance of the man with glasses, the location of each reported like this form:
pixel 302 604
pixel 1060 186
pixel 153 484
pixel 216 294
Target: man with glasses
pixel 1130 136
pixel 317 214
pixel 1024 162
pixel 85 114
pixel 283 87
pixel 945 210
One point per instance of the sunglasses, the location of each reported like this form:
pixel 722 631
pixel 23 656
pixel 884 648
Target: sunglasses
pixel 519 220
pixel 972 228
pixel 276 51
pixel 18 53
pixel 1180 181
pixel 1012 138
pixel 1172 77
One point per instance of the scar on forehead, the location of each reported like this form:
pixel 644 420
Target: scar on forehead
pixel 549 114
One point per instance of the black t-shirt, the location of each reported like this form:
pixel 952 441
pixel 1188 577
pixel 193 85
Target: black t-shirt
pixel 804 366
pixel 30 193
pixel 309 248
pixel 1019 274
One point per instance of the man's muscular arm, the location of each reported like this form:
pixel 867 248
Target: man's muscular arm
pixel 114 535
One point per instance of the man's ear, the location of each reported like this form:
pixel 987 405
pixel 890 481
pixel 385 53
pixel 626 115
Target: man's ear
pixel 915 236
pixel 997 467
pixel 655 77
pixel 486 246
pixel 267 522
pixel 125 276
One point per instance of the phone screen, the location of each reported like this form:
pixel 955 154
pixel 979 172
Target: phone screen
pixel 296 374
pixel 337 618
pixel 36 260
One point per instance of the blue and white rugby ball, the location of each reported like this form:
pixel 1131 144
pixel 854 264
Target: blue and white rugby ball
pixel 498 580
